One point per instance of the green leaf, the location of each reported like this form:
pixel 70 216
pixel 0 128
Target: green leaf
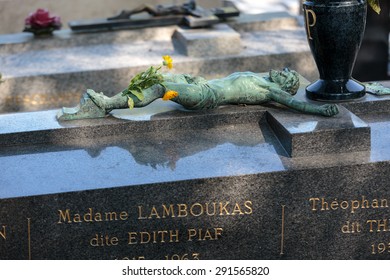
pixel 138 94
pixel 130 102
pixel 374 4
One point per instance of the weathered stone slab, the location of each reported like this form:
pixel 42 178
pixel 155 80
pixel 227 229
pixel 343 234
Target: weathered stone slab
pixel 266 21
pixel 216 41
pixel 370 104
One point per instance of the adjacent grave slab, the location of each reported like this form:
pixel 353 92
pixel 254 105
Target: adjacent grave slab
pixel 266 21
pixel 141 184
pixel 217 40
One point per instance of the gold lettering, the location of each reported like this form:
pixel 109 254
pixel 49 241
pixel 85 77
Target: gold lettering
pixel 103 240
pixel 64 216
pixel 132 238
pixel 310 24
pixel 182 210
pixel 123 216
pixel 248 206
pixel 218 232
pixel 168 212
pixel 154 213
pixel 207 235
pixel 111 216
pixel 160 236
pixel 200 211
pixel 98 217
pixel 324 205
pixel 355 204
pixel 334 205
pixel 215 209
pixel 88 215
pixel 371 222
pixel 351 227
pixel 191 233
pixel 144 234
pixel 365 203
pixel 3 233
pixel 140 217
pixel 77 218
pixel 162 232
pixel 314 203
pixel 352 205
pixel 204 234
pixel 344 205
pixel 114 241
pixel 173 236
pixel 237 210
pixel 222 208
pixel 381 225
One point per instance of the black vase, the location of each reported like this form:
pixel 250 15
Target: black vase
pixel 334 31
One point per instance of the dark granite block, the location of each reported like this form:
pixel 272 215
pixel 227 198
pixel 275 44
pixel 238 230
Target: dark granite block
pixel 307 135
pixel 316 213
pixel 199 185
pixel 369 104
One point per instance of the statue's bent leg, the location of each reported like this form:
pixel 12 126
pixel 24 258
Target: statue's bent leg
pixel 87 109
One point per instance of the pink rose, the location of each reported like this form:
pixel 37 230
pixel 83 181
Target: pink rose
pixel 41 19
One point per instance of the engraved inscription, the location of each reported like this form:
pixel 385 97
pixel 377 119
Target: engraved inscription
pixel 143 213
pixel 374 225
pixel 378 225
pixel 90 216
pixel 103 240
pixel 380 248
pixel 194 210
pixel 204 234
pixel 323 204
pixel 181 257
pixel 160 236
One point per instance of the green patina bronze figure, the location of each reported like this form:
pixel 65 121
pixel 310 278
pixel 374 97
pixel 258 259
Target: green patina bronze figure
pixel 377 89
pixel 197 93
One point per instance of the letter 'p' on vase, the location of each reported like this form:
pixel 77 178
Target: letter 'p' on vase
pixel 335 31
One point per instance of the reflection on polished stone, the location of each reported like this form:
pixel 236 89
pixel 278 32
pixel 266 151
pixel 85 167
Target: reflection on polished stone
pixel 148 158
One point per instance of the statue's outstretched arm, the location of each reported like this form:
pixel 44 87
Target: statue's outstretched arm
pixel 288 100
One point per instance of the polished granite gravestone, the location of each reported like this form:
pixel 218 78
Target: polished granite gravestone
pixel 254 182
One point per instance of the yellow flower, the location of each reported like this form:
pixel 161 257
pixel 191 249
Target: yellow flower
pixel 168 61
pixel 170 94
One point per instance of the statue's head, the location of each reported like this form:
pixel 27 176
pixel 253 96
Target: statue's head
pixel 287 79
